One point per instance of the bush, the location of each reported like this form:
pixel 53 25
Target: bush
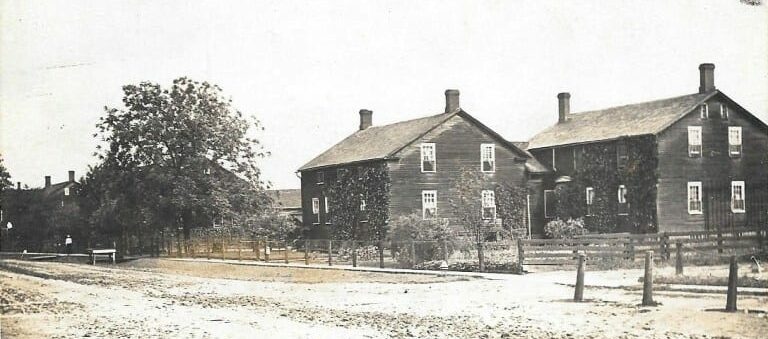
pixel 558 229
pixel 430 237
pixel 510 267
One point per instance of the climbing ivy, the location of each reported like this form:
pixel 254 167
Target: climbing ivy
pixel 353 185
pixel 599 169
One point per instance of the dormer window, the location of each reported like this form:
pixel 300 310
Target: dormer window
pixel 694 141
pixel 488 158
pixel 734 141
pixel 704 111
pixel 428 160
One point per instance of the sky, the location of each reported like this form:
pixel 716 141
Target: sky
pixel 305 68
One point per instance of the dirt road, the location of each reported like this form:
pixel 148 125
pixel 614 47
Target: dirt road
pixel 164 298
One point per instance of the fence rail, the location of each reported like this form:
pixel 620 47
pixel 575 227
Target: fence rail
pixel 623 246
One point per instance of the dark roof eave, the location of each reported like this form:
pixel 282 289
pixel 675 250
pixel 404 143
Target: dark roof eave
pixel 356 162
pixel 590 141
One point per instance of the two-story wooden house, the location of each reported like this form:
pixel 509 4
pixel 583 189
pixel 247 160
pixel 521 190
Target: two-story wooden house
pixel 422 157
pixel 704 161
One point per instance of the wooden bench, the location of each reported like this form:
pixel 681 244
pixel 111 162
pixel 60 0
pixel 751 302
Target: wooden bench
pixel 108 251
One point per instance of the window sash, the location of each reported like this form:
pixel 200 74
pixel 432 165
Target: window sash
pixel 723 111
pixel 428 158
pixel 590 193
pixel 737 197
pixel 429 204
pixel 694 197
pixel 704 111
pixel 488 199
pixel 315 206
pixel 623 207
pixel 694 141
pixel 320 177
pixel 487 157
pixel 734 140
pixel 327 208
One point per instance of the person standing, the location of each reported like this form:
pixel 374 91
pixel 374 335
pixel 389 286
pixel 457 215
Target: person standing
pixel 68 244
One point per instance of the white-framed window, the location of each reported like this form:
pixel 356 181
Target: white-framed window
pixel 66 191
pixel 320 177
pixel 429 204
pixel 590 193
pixel 622 200
pixel 723 111
pixel 487 157
pixel 694 197
pixel 326 206
pixel 362 204
pixel 549 203
pixel 734 141
pixel 694 141
pixel 488 199
pixel 428 159
pixel 316 208
pixel 737 197
pixel 704 111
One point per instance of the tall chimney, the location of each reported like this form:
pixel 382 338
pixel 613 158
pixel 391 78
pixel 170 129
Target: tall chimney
pixel 563 106
pixel 71 176
pixel 366 119
pixel 706 78
pixel 18 185
pixel 47 181
pixel 451 100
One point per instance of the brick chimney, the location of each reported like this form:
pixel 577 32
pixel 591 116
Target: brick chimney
pixel 563 106
pixel 366 118
pixel 18 185
pixel 71 176
pixel 706 78
pixel 451 100
pixel 47 181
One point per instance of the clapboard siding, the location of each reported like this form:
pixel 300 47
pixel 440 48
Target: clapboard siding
pixel 715 168
pixel 457 146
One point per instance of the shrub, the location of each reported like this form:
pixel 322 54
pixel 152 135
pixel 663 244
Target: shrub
pixel 430 237
pixel 559 229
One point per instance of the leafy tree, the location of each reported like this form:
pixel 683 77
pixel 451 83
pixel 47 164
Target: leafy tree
pixel 512 208
pixel 175 157
pixel 467 207
pixel 5 177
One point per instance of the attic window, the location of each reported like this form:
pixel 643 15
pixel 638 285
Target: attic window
pixel 428 159
pixel 487 157
pixel 66 190
pixel 704 111
pixel 724 111
pixel 320 178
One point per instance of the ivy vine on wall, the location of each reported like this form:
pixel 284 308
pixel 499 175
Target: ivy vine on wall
pixel 353 186
pixel 599 168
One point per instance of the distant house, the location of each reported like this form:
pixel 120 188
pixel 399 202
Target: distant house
pixel 708 161
pixel 423 158
pixel 288 202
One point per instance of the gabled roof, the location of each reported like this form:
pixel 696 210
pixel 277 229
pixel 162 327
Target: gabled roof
pixel 383 142
pixel 644 118
pixel 286 198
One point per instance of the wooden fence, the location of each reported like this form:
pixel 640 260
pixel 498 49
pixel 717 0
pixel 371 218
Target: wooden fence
pixel 696 244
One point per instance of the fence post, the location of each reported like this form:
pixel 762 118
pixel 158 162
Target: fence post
pixel 257 249
pixel 664 246
pixel 306 252
pixel 330 252
pixel 733 277
pixel 413 253
pixel 632 249
pixel 520 253
pixel 354 253
pixel 578 295
pixel 208 247
pixel 285 250
pixel 445 250
pixel 239 249
pixel 648 280
pixel 381 254
pixel 679 258
pixel 719 241
pixel 267 251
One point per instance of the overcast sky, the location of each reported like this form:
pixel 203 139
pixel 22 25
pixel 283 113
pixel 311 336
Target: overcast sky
pixel 305 68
